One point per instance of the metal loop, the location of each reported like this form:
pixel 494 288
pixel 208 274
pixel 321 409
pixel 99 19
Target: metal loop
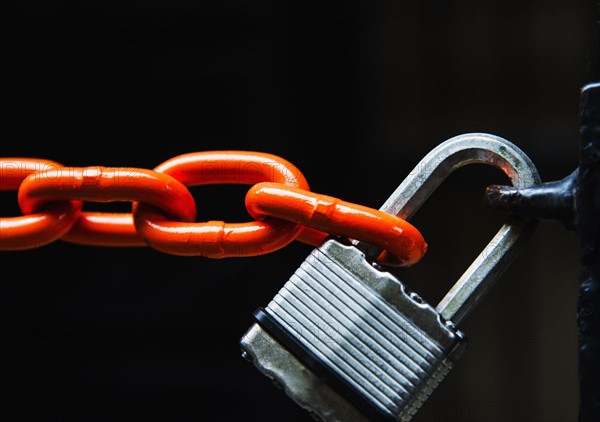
pixel 217 239
pixel 39 228
pixel 163 210
pixel 107 184
pixel 334 216
pixel 104 229
pixel 430 172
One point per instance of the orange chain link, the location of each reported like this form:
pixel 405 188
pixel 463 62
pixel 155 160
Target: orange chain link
pixel 163 213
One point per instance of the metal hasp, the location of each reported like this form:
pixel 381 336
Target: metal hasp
pixel 574 201
pixel 430 172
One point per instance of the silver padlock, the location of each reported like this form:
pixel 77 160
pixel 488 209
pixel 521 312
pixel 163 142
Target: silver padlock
pixel 347 340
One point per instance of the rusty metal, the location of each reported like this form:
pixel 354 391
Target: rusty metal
pixel 547 201
pixel 588 221
pixel 574 201
pixel 428 175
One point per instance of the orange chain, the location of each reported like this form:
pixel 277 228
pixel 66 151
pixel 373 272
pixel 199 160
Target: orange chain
pixel 163 210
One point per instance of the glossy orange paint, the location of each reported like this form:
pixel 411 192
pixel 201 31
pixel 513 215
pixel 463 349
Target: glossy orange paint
pixel 107 184
pixel 163 210
pixel 41 227
pixel 104 229
pixel 334 216
pixel 217 239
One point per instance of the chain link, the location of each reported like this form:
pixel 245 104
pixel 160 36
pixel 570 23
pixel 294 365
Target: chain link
pixel 163 215
pixel 36 228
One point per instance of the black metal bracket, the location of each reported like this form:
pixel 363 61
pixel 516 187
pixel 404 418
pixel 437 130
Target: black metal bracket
pixel 575 202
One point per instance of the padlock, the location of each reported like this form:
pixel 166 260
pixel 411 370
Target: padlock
pixel 347 340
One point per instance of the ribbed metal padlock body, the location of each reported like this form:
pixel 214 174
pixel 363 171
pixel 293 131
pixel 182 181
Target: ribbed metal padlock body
pixel 349 342
pixel 360 331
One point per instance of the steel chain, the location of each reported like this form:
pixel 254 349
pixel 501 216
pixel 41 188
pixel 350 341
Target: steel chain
pixel 163 214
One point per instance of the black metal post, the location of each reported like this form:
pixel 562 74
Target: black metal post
pixel 575 202
pixel 587 206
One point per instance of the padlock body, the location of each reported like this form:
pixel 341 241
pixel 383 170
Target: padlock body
pixel 349 342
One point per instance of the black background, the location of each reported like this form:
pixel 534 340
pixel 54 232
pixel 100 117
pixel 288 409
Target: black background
pixel 354 94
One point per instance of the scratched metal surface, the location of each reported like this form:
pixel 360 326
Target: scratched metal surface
pixel 134 334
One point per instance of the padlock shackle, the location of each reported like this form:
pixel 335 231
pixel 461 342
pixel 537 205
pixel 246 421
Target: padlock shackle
pixel 430 172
